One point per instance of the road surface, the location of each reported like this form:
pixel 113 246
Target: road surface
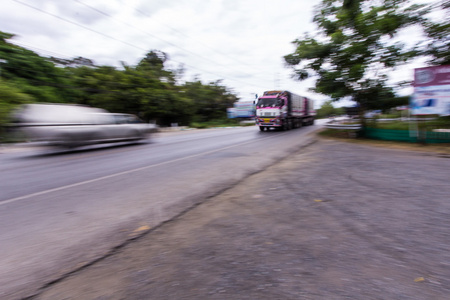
pixel 62 210
pixel 335 220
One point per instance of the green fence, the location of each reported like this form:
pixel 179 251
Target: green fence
pixel 407 135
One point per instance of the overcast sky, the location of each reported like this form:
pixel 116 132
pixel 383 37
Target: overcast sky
pixel 241 42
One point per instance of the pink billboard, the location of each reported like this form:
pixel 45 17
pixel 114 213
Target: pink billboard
pixel 439 75
pixel 431 91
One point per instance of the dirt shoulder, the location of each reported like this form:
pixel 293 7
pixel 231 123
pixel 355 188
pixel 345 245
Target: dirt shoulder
pixel 335 220
pixel 433 149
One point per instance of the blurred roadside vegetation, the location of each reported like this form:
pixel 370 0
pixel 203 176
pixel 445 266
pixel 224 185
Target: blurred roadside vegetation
pixel 328 110
pixel 358 43
pixel 351 56
pixel 342 135
pixel 427 125
pixel 148 89
pixel 224 122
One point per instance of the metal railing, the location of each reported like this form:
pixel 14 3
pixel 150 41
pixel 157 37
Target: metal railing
pixel 344 126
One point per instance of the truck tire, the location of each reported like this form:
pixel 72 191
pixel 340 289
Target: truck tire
pixel 261 128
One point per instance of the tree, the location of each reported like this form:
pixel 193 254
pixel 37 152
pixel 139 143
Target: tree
pixel 438 46
pixel 153 62
pixel 148 89
pixel 210 101
pixel 75 62
pixel 327 109
pixel 36 75
pixel 10 97
pixel 355 48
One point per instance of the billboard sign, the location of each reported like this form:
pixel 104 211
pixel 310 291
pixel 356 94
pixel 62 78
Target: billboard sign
pixel 231 113
pixel 431 91
pixel 242 109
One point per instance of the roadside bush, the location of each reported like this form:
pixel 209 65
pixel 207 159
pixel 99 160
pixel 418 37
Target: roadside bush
pixel 442 122
pixel 216 123
pixel 438 123
pixel 396 125
pixel 393 114
pixel 339 133
pixel 198 125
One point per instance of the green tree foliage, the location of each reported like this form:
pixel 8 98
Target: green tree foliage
pixel 438 32
pixel 210 101
pixel 36 76
pixel 148 89
pixel 327 109
pixel 10 97
pixel 386 103
pixel 355 49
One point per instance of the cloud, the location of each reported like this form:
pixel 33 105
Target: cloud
pixel 81 12
pixel 241 42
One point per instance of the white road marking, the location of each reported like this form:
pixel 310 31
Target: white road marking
pixel 125 172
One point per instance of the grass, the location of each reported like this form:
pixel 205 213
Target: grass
pixel 338 133
pixel 438 123
pixel 396 125
pixel 343 135
pixel 218 123
pixel 7 137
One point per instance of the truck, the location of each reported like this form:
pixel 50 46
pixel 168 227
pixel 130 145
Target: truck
pixel 71 125
pixel 283 110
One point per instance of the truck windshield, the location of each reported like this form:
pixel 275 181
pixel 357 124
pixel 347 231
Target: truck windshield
pixel 269 102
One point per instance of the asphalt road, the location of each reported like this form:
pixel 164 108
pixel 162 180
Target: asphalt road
pixel 335 220
pixel 62 210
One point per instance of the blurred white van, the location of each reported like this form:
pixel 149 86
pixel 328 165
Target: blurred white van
pixel 70 125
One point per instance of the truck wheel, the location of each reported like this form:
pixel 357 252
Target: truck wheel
pixel 261 128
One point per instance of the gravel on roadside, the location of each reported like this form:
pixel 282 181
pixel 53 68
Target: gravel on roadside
pixel 335 220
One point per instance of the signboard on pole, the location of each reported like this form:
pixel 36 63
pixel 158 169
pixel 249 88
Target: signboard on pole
pixel 242 109
pixel 431 91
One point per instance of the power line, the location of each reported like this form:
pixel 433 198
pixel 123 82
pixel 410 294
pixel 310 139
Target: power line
pixel 149 34
pixel 36 49
pixel 123 42
pixel 57 55
pixel 156 37
pixel 201 42
pixel 77 24
pixel 61 75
